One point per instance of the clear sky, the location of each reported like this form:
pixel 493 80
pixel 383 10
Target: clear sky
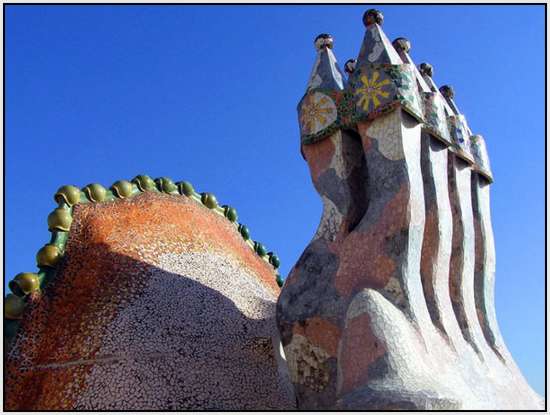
pixel 208 94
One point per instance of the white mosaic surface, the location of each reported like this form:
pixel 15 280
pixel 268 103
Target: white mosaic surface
pixel 201 336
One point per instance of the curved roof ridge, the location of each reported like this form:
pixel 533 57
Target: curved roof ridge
pixel 59 224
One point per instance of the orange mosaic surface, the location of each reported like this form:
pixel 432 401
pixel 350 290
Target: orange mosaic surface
pixel 110 248
pixel 359 247
pixel 360 349
pixel 319 156
pixel 321 333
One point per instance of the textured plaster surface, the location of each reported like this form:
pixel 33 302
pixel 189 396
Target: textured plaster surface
pixel 158 304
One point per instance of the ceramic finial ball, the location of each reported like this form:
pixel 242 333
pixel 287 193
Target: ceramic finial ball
pixel 447 91
pixel 402 43
pixel 350 65
pixel 372 16
pixel 426 69
pixel 324 40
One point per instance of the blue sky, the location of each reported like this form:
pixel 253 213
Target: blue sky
pixel 208 94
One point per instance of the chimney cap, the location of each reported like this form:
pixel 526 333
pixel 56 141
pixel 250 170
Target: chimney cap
pixel 447 91
pixel 350 65
pixel 402 43
pixel 372 16
pixel 426 69
pixel 323 40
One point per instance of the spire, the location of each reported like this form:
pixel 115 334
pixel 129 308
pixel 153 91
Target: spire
pixel 325 74
pixel 458 127
pixel 403 46
pixel 318 109
pixel 427 71
pixel 432 102
pixel 380 81
pixel 376 46
pixel 449 94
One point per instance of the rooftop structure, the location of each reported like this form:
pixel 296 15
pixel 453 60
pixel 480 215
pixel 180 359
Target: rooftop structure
pixel 391 305
pixel 152 296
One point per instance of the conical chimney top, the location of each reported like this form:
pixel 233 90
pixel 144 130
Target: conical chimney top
pixel 433 104
pixel 403 46
pixel 318 109
pixel 427 70
pixel 326 73
pixel 458 126
pixel 381 80
pixel 376 47
pixel 448 93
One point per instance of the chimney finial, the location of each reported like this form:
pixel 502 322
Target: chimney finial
pixel 402 43
pixel 373 16
pixel 426 69
pixel 350 65
pixel 447 91
pixel 324 40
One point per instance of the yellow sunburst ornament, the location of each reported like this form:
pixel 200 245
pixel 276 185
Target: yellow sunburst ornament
pixel 371 90
pixel 318 112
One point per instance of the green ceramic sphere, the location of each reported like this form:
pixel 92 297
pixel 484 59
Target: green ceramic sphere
pixel 245 233
pixel 186 188
pixel 230 213
pixel 28 282
pixel 95 192
pixel 68 194
pixel 48 256
pixel 122 189
pixel 60 220
pixel 166 185
pixel 209 200
pixel 144 182
pixel 279 280
pixel 13 307
pixel 260 248
pixel 14 287
pixel 274 260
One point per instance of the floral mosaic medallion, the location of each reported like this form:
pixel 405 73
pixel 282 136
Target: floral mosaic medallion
pixel 371 90
pixel 379 88
pixel 318 111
